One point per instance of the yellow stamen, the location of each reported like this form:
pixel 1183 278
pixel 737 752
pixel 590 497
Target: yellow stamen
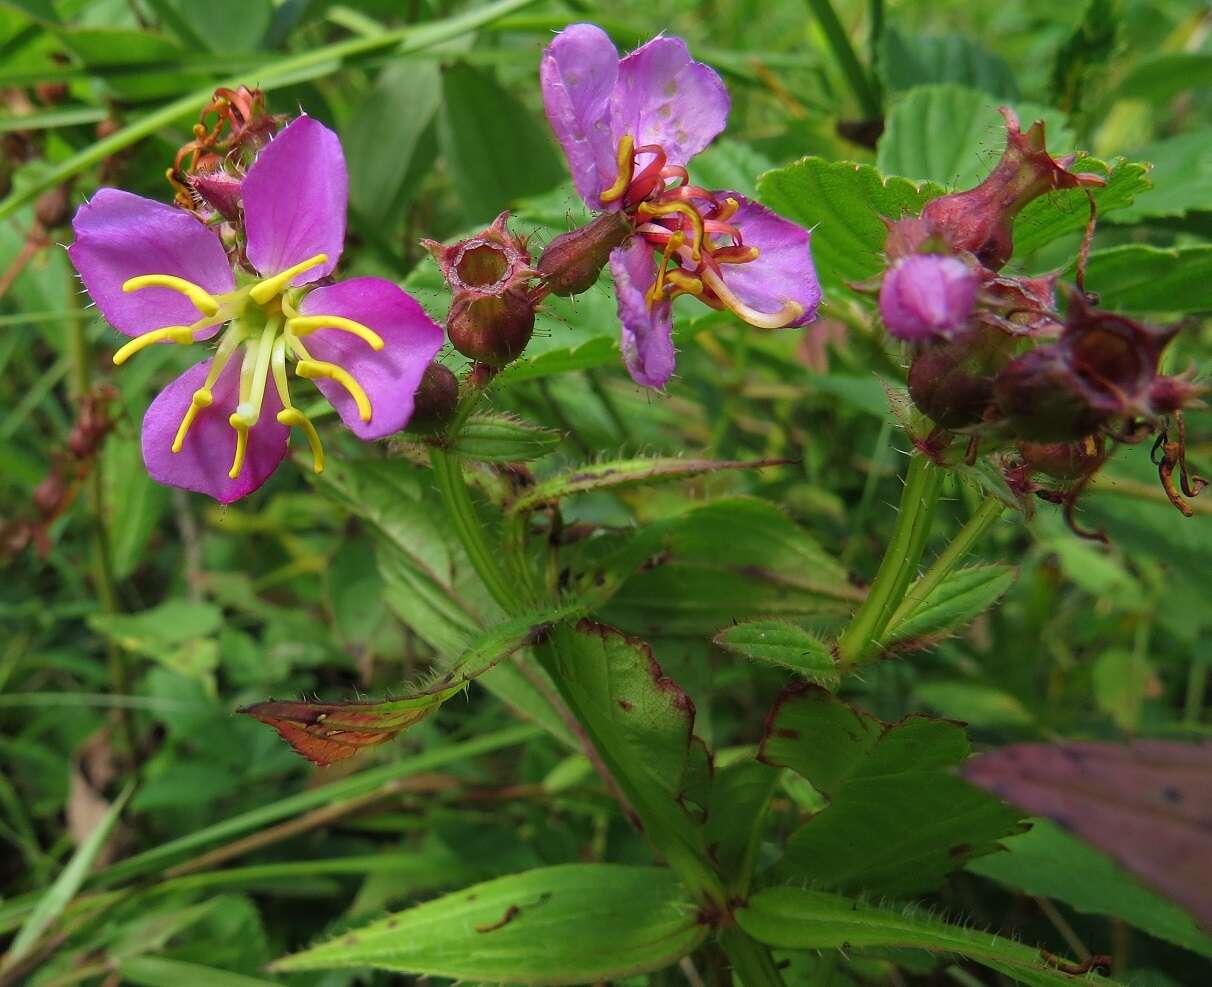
pixel 171 334
pixel 203 301
pixel 623 178
pixel 237 463
pixel 657 291
pixel 735 255
pixel 304 324
pixel 294 417
pixel 727 210
pixel 318 369
pixel 203 398
pixel 686 283
pixel 788 313
pixel 265 290
pixel 648 209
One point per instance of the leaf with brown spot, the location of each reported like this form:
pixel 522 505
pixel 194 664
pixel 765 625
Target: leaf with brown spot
pixel 1147 804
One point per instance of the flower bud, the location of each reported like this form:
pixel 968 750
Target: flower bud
pixel 1065 462
pixel 951 381
pixel 54 207
pixel 1168 395
pixel 571 263
pixel 491 315
pixel 1043 400
pixel 219 190
pixel 926 295
pixel 436 399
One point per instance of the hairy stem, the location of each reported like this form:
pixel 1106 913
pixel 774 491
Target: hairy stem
pixel 751 960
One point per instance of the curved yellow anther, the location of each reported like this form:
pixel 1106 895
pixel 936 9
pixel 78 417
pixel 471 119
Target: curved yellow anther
pixel 303 324
pixel 202 398
pixel 685 283
pixel 293 417
pixel 317 369
pixel 623 177
pixel 203 301
pixel 648 209
pixel 728 209
pixel 735 255
pixel 265 290
pixel 657 291
pixel 787 313
pixel 241 427
pixel 171 334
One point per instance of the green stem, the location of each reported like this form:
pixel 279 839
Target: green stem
pixel 470 529
pixel 751 960
pixel 922 485
pixel 311 64
pixel 856 74
pixel 981 521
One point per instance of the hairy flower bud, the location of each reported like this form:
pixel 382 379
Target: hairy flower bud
pixel 436 399
pixel 951 381
pixel 926 295
pixel 571 263
pixel 1043 400
pixel 491 315
pixel 219 190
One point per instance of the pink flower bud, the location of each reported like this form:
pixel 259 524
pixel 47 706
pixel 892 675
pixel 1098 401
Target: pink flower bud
pixel 572 261
pixel 927 295
pixel 218 190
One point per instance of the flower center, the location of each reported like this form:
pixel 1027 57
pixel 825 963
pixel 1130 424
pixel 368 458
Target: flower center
pixel 690 227
pixel 265 329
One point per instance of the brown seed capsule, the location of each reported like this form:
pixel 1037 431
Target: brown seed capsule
pixel 571 263
pixel 435 401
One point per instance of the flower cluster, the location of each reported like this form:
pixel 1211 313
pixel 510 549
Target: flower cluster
pixel 993 358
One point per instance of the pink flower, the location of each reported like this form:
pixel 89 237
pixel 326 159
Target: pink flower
pixel 158 274
pixel 927 295
pixel 629 127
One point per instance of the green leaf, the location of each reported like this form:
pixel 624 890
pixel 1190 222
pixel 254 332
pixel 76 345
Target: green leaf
pixel 499 437
pixel 1181 175
pixel 908 60
pixel 953 135
pixel 1162 77
pixel 976 704
pixel 408 93
pixel 613 474
pixel 1123 680
pixel 227 26
pixel 178 633
pixel 729 164
pixel 56 898
pixel 796 918
pixel 159 971
pixel 576 923
pixel 1136 277
pixel 740 795
pixel 1088 49
pixel 898 819
pixel 600 351
pixel 1047 862
pixel 781 643
pixel 959 599
pixel 842 203
pixel 496 150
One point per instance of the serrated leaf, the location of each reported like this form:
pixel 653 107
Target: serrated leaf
pixel 1136 277
pixel 613 474
pixel 1181 175
pixel 325 733
pixel 576 923
pixel 781 643
pixel 842 203
pixel 1047 862
pixel 908 60
pixel 953 135
pixel 960 598
pixel 499 437
pixel 600 351
pixel 796 918
pixel 1146 804
pixel 898 819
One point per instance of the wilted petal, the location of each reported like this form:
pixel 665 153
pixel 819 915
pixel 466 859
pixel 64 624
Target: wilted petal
pixel 295 196
pixel 647 332
pixel 206 456
pixel 578 74
pixel 120 236
pixel 389 376
pixel 665 97
pixel 783 271
pixel 926 295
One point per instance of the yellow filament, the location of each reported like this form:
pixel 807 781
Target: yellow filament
pixel 303 324
pixel 648 209
pixel 788 313
pixel 623 177
pixel 265 290
pixel 685 283
pixel 727 210
pixel 203 398
pixel 172 334
pixel 237 463
pixel 203 301
pixel 657 291
pixel 294 417
pixel 318 369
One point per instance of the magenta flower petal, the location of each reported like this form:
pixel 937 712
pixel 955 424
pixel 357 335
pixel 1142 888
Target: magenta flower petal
pixel 926 295
pixel 647 332
pixel 206 455
pixel 389 376
pixel 578 75
pixel 783 270
pixel 120 236
pixel 295 196
pixel 665 97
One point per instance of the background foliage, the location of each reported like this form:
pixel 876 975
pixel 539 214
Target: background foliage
pixel 140 618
